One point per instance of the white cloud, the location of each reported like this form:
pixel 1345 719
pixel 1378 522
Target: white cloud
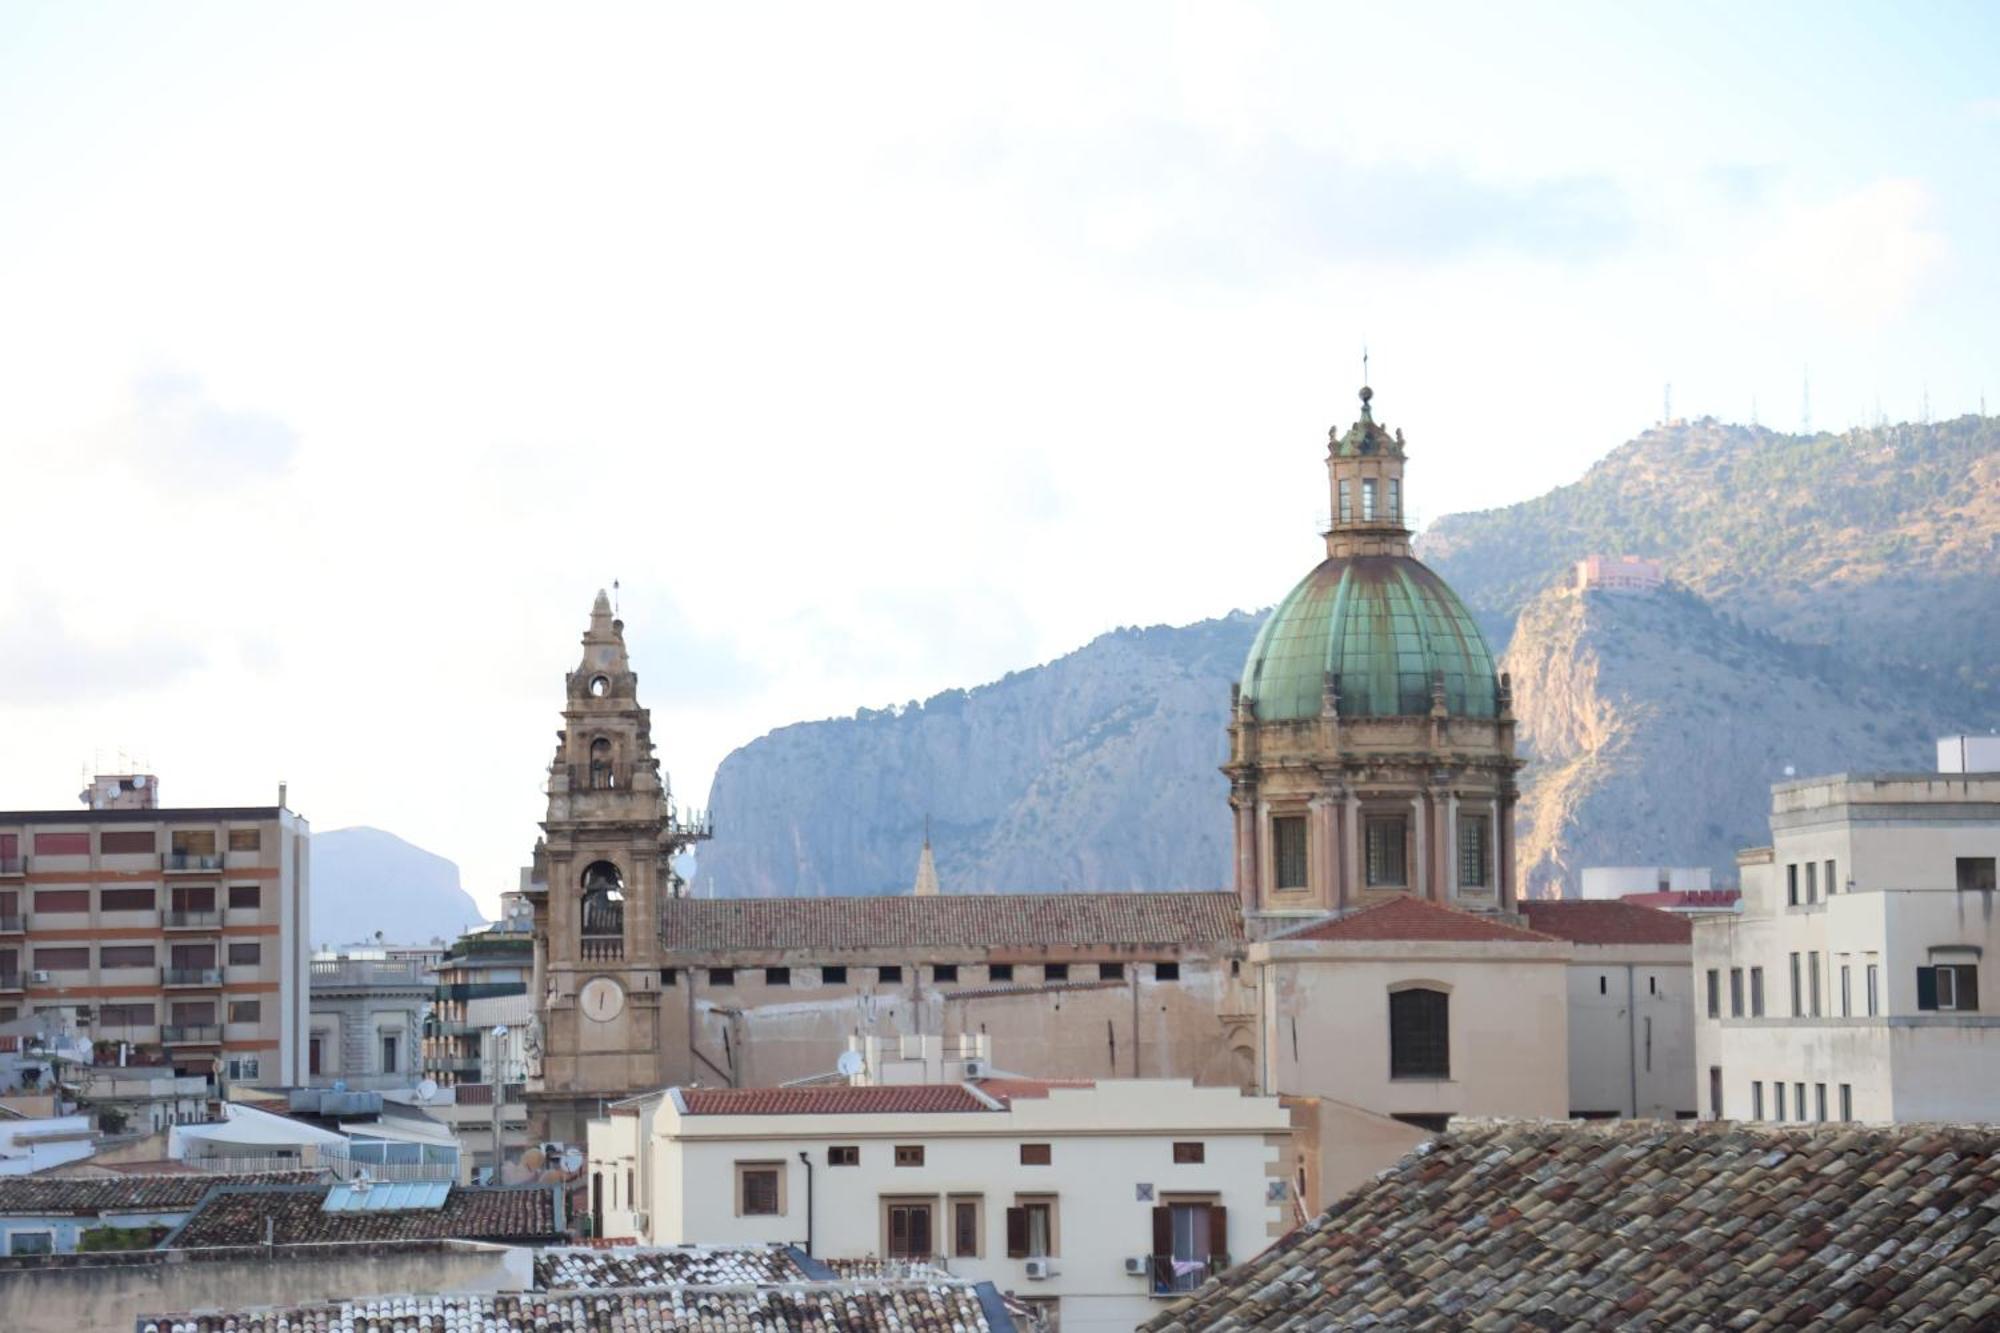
pixel 1861 257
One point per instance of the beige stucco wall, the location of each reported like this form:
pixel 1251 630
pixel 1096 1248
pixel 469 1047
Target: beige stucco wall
pixel 1326 1024
pixel 1631 1030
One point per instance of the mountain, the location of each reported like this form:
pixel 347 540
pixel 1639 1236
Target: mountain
pixel 1836 605
pixel 1095 771
pixel 365 880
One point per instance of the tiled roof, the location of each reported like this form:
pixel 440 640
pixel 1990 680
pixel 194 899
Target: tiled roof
pixel 833 1099
pixel 1407 918
pixel 762 925
pixel 238 1216
pixel 857 1307
pixel 1642 1225
pixel 1044 988
pixel 676 1266
pixel 1006 1090
pixel 885 1270
pixel 88 1196
pixel 1608 921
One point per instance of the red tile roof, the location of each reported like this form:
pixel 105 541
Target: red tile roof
pixel 833 1099
pixel 238 1216
pixel 1608 921
pixel 707 926
pixel 1009 1090
pixel 88 1196
pixel 1406 918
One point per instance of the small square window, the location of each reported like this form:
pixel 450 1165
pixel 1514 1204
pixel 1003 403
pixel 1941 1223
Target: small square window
pixel 909 1154
pixel 999 971
pixel 945 972
pixel 247 953
pixel 1189 1154
pixel 1035 1154
pixel 1166 971
pixel 1976 874
pixel 844 1154
pixel 833 976
pixel 722 976
pixel 757 1191
pixel 244 839
pixel 1111 971
pixel 670 976
pixel 777 976
pixel 245 897
pixel 1055 972
pixel 892 974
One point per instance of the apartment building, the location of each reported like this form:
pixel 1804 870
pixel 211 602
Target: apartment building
pixel 367 1019
pixel 176 933
pixel 1848 989
pixel 1090 1202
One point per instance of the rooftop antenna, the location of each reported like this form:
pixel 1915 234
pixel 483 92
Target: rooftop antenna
pixel 614 597
pixel 1667 404
pixel 1364 360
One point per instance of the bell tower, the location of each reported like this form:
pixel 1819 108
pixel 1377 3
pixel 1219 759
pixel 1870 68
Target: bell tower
pixel 604 864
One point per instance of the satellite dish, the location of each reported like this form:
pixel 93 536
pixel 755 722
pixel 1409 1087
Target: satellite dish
pixel 427 1090
pixel 500 1030
pixel 139 782
pixel 572 1160
pixel 340 1085
pixel 849 1064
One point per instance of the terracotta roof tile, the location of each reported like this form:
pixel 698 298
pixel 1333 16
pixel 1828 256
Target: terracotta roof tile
pixel 1641 1225
pixel 833 1099
pixel 706 926
pixel 1407 918
pixel 237 1215
pixel 88 1196
pixel 1009 1090
pixel 667 1266
pixel 1608 921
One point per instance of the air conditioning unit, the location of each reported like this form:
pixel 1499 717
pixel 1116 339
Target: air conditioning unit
pixel 1039 1269
pixel 639 1223
pixel 975 1069
pixel 39 978
pixel 1138 1265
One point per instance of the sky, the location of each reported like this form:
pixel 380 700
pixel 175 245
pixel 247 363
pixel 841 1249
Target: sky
pixel 346 351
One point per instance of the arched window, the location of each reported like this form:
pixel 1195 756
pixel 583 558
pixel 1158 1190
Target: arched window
pixel 601 771
pixel 603 899
pixel 1419 1033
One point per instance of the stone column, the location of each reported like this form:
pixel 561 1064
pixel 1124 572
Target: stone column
pixel 1324 862
pixel 1451 845
pixel 1356 878
pixel 1417 876
pixel 1246 849
pixel 1503 849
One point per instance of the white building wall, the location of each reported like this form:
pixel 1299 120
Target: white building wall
pixel 1631 1032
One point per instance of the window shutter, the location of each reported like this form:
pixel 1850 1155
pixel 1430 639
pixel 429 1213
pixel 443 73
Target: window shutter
pixel 1017 1233
pixel 1968 986
pixel 1218 1235
pixel 1163 1233
pixel 1926 988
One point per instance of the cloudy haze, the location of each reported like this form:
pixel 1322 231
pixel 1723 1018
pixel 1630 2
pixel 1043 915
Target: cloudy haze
pixel 874 350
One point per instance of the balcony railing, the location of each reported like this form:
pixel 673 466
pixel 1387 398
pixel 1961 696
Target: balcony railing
pixel 190 861
pixel 603 949
pixel 452 1064
pixel 193 976
pixel 13 925
pixel 13 865
pixel 192 918
pixel 368 972
pixel 191 1034
pixel 600 777
pixel 1172 1276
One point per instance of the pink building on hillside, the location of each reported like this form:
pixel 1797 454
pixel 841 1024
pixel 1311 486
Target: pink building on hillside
pixel 1618 573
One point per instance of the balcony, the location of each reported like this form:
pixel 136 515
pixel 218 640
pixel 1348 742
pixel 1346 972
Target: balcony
pixel 192 918
pixel 191 1034
pixel 600 777
pixel 332 973
pixel 12 867
pixel 192 976
pixel 452 1064
pixel 10 983
pixel 185 863
pixel 13 925
pixel 603 948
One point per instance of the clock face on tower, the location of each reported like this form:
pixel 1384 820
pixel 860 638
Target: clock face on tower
pixel 601 999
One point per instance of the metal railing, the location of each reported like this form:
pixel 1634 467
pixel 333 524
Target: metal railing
pixel 10 981
pixel 191 1034
pixel 192 918
pixel 369 972
pixel 1171 1276
pixel 190 860
pixel 600 777
pixel 192 976
pixel 13 925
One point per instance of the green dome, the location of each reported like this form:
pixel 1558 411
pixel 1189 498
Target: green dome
pixel 1385 624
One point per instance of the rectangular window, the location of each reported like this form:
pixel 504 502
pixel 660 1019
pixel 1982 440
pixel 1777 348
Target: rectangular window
pixel 1819 1101
pixel 62 958
pixel 127 955
pixel 1190 1153
pixel 1948 987
pixel 1846 991
pixel 1346 500
pixel 1799 1100
pixel 1778 1099
pixel 1166 971
pixel 1386 836
pixel 909 1226
pixel 245 953
pixel 246 1011
pixel 1829 878
pixel 777 976
pixel 1395 497
pixel 125 1015
pixel 722 976
pixel 1055 972
pixel 1288 844
pixel 941 972
pixel 1847 1101
pixel 999 971
pixel 1756 992
pixel 965 1227
pixel 892 975
pixel 1419 1033
pixel 1813 979
pixel 31 1242
pixel 192 900
pixel 62 844
pixel 115 842
pixel 1111 971
pixel 1812 882
pixel 1035 1154
pixel 1976 874
pixel 1872 972
pixel 833 976
pixel 1792 886
pixel 245 897
pixel 844 1154
pixel 245 839
pixel 1714 992
pixel 909 1154
pixel 1031 1229
pixel 1756 1099
pixel 1715 1092
pixel 1367 499
pixel 1473 853
pixel 390 1043
pixel 127 900
pixel 757 1189
pixel 1736 992
pixel 1798 988
pixel 62 900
